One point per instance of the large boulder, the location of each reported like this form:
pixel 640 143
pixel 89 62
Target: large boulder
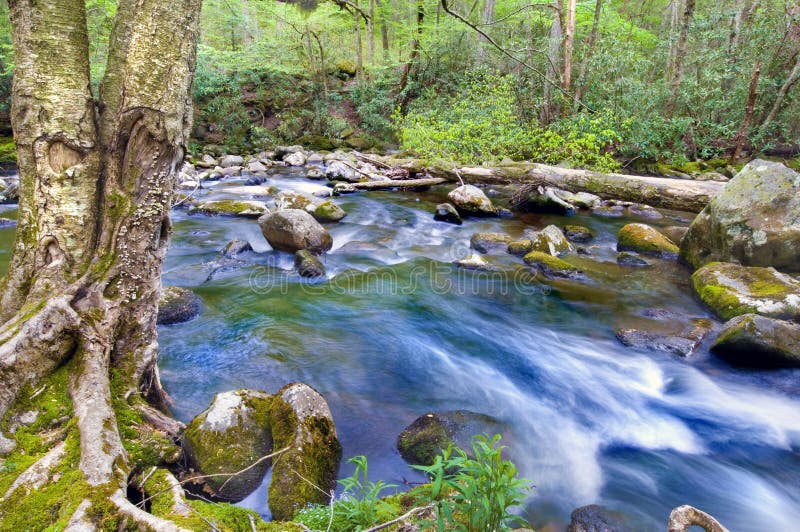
pixel 302 422
pixel 643 238
pixel 470 200
pixel 732 290
pixel 230 161
pixel 550 240
pixel 232 434
pixel 552 266
pixel 177 305
pixel 324 211
pixel 294 229
pixel 297 158
pixel 759 341
pixel 339 171
pixel 489 242
pixel 754 221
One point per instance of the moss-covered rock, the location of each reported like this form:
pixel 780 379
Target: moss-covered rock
pixel 754 221
pixel 631 259
pixel 550 240
pixel 323 211
pixel 232 434
pixel 732 290
pixel 759 341
pixel 578 233
pixel 302 422
pixel 551 266
pixel 445 212
pixel 429 434
pixel 520 248
pixel 489 242
pixel 308 264
pixel 643 238
pixel 245 209
pixel 236 247
pixel 177 305
pixel 471 201
pixel 328 212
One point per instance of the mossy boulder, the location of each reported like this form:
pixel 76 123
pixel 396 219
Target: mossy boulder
pixel 308 265
pixel 302 421
pixel 578 233
pixel 645 239
pixel 295 229
pixel 177 305
pixel 675 233
pixel 550 240
pixel 758 341
pixel 287 199
pixel 732 290
pixel 520 248
pixel 328 212
pixel 552 266
pixel 325 211
pixel 232 434
pixel 429 434
pixel 469 200
pixel 242 208
pixel 754 221
pixel 489 242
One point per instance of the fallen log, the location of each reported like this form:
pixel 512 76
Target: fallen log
pixel 666 193
pixel 344 188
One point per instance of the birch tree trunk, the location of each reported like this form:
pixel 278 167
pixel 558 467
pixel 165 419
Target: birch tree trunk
pixel 549 108
pixel 590 43
pixel 83 286
pixel 679 56
pixel 569 40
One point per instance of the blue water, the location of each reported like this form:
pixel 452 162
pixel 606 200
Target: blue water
pixel 394 332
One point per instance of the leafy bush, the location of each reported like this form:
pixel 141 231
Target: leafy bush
pixel 474 494
pixel 363 506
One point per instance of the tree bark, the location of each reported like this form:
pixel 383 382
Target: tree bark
pixel 95 191
pixel 488 16
pixel 741 135
pixel 415 44
pixel 794 76
pixel 679 56
pixel 569 39
pixel 549 108
pixel 590 43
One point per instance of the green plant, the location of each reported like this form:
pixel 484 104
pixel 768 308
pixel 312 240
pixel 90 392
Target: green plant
pixel 473 494
pixel 362 507
pixel 318 517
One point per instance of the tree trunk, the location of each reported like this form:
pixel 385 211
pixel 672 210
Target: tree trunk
pixel 741 136
pixel 359 44
pixel 590 42
pixel 371 33
pixel 414 57
pixel 675 7
pixel 384 31
pixel 488 16
pixel 95 190
pixel 794 76
pixel 679 56
pixel 569 39
pixel 549 108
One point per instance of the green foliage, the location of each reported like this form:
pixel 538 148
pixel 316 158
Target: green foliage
pixel 474 494
pixel 318 517
pixel 363 506
pixel 8 151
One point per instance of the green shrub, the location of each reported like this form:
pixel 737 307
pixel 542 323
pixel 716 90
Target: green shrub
pixel 474 494
pixel 363 507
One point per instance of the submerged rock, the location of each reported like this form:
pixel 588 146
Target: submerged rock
pixel 236 247
pixel 596 518
pixel 245 209
pixel 754 221
pixel 550 240
pixel 631 259
pixel 232 434
pixel 429 434
pixel 645 211
pixel 552 266
pixel 642 238
pixel 489 242
pixel 606 210
pixel 308 264
pixel 445 212
pixel 177 305
pixel 471 201
pixel 476 263
pixel 732 290
pixel 673 336
pixel 293 230
pixel 758 341
pixel 578 233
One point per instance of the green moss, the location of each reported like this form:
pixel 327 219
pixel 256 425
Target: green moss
pixel 327 211
pixel 229 208
pixel 644 239
pixel 423 440
pixel 8 150
pixel 520 247
pixel 549 263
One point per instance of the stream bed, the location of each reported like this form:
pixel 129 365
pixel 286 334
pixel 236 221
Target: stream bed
pixel 395 331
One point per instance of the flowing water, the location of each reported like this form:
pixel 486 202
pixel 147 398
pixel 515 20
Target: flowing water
pixel 394 332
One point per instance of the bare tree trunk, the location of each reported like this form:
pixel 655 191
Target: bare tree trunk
pixel 794 76
pixel 741 136
pixel 488 16
pixel 549 108
pixel 371 33
pixel 415 43
pixel 590 43
pixel 675 8
pixel 95 190
pixel 569 39
pixel 680 53
pixel 359 44
pixel 384 32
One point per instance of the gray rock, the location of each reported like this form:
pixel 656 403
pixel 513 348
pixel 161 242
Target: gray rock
pixel 711 176
pixel 758 341
pixel 11 194
pixel 754 221
pixel 308 264
pixel 5 223
pixel 256 166
pixel 281 152
pixel 231 160
pixel 230 171
pixel 339 171
pixel 609 211
pixel 177 305
pixel 675 233
pixel 445 212
pixel 471 201
pixel 7 445
pixel 328 212
pixel 241 208
pixel 293 230
pixel 631 259
pixel 315 173
pixel 645 211
pixel 475 263
pixel 596 518
pixel 297 158
pixel 489 242
pixel 550 240
pixel 732 290
pixel 236 247
pixel 673 337
pixel 578 233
